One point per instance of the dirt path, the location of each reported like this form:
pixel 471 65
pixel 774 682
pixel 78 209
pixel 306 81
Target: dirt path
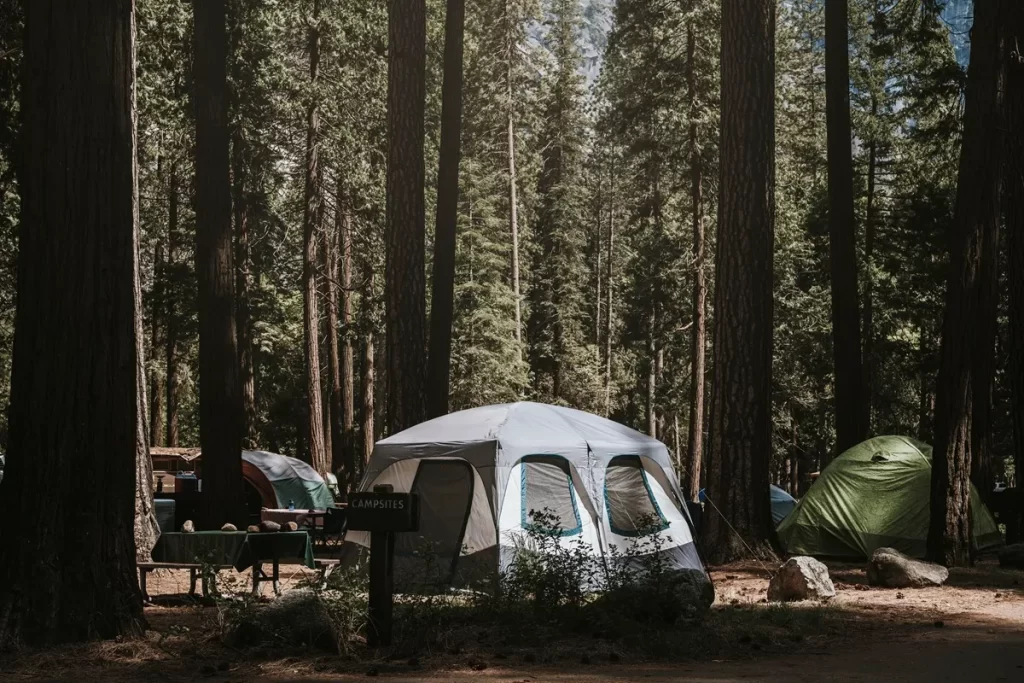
pixel 972 629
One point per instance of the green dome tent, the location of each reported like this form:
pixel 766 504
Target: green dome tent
pixel 874 495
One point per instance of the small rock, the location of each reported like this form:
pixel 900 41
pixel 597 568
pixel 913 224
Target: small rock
pixel 291 526
pixel 372 671
pixel 253 529
pixel 1012 556
pixel 893 569
pixel 479 666
pixel 229 527
pixel 801 578
pixel 939 624
pixel 269 527
pixel 899 596
pixel 188 527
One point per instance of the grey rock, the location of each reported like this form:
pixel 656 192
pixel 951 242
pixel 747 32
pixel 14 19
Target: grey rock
pixel 892 569
pixel 1012 556
pixel 801 578
pixel 229 527
pixel 270 526
pixel 291 526
pixel 188 527
pixel 252 529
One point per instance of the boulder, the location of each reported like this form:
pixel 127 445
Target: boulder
pixel 801 578
pixel 252 529
pixel 893 569
pixel 188 527
pixel 270 526
pixel 229 527
pixel 1012 556
pixel 291 526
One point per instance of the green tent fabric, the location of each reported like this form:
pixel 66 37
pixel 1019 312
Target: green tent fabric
pixel 288 479
pixel 874 495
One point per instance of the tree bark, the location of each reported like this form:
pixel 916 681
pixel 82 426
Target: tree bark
pixel 369 376
pixel 698 341
pixel 850 416
pixel 740 425
pixel 156 384
pixel 171 311
pixel 220 390
pixel 348 414
pixel 870 227
pixel 243 257
pixel 1014 187
pixel 443 283
pixel 513 202
pixel 70 573
pixel 609 294
pixel 330 257
pixel 404 290
pixel 312 219
pixel 975 223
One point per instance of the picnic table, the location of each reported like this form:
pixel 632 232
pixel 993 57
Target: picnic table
pixel 291 546
pixel 218 550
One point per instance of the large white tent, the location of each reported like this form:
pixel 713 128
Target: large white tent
pixel 480 472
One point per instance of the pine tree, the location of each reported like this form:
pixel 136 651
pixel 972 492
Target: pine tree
pixel 71 396
pixel 740 424
pixel 975 232
pixel 220 395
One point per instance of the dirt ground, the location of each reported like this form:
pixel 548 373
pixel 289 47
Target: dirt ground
pixel 972 629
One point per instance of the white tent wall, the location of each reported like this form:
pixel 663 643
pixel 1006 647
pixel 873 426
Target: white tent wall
pixel 495 440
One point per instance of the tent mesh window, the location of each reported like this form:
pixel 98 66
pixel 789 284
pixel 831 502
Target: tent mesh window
pixel 548 497
pixel 632 509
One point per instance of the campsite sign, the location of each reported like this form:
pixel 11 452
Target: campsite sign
pixel 383 513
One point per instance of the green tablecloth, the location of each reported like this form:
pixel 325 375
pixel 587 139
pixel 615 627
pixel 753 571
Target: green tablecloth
pixel 219 548
pixel 281 546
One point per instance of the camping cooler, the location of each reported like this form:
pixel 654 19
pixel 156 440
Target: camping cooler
pixel 164 509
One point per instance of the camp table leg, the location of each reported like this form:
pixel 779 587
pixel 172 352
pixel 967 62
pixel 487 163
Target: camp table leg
pixel 192 581
pixel 257 571
pixel 142 585
pixel 277 585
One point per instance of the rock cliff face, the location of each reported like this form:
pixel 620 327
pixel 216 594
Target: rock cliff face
pixel 959 14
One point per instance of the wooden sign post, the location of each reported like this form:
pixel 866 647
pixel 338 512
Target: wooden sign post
pixel 383 513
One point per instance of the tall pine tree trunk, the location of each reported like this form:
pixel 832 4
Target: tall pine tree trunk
pixel 404 287
pixel 609 294
pixel 851 423
pixel 740 425
pixel 975 224
pixel 1014 187
pixel 870 227
pixel 220 390
pixel 243 263
pixel 171 309
pixel 311 225
pixel 443 284
pixel 348 414
pixel 698 341
pixel 513 201
pixel 76 397
pixel 156 383
pixel 369 377
pixel 330 259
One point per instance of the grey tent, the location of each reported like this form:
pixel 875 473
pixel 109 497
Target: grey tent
pixel 480 472
pixel 782 504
